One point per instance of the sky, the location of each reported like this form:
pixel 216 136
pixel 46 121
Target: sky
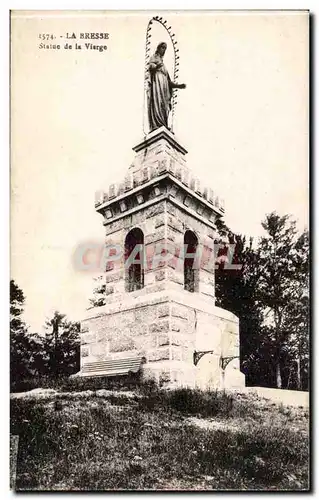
pixel 75 116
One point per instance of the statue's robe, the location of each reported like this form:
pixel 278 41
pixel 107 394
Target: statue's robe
pixel 159 93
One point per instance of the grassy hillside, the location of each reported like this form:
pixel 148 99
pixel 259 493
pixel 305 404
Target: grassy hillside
pixel 155 439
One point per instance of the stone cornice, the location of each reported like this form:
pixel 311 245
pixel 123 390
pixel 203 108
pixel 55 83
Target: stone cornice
pixel 210 205
pixel 154 201
pixel 159 169
pixel 194 300
pixel 153 137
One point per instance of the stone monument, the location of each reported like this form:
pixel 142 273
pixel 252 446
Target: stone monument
pixel 160 315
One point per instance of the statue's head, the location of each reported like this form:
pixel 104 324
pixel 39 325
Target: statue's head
pixel 161 48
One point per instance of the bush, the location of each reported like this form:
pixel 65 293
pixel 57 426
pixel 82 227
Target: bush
pixel 194 402
pixel 190 401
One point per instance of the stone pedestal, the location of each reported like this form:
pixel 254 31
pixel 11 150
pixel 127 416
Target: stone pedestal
pixel 166 327
pixel 165 320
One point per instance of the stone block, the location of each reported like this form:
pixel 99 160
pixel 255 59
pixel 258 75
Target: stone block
pixel 156 190
pixel 180 311
pixel 153 169
pixel 177 339
pixel 128 182
pixel 207 289
pixel 178 172
pixel 99 350
pixel 136 178
pixel 139 198
pixel 212 217
pixel 162 166
pixel 160 221
pixel 171 209
pixel 154 210
pixel 172 166
pixel 192 183
pixel 163 310
pixel 145 315
pixel 154 237
pixel 160 326
pixel 175 224
pixel 138 329
pixel 176 276
pixel 173 190
pixel 84 351
pixel 101 336
pixel 123 206
pixel 160 354
pixel 112 191
pixel 88 338
pixel 121 343
pixel 113 227
pixel 121 188
pixel 207 275
pixel 145 343
pixel 163 339
pixel 176 354
pixel 211 195
pixel 198 187
pixel 175 236
pixel 145 175
pixel 181 325
pixel 127 222
pixel 110 277
pixel 200 209
pixel 149 278
pixel 185 176
pixel 187 201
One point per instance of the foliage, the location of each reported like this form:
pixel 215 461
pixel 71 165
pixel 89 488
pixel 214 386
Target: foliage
pixel 21 344
pixel 283 265
pixel 99 289
pixel 269 294
pixel 236 291
pixel 33 356
pixel 61 346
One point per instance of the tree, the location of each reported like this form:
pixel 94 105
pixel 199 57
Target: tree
pixel 20 343
pixel 296 319
pixel 269 294
pixel 61 346
pixel 236 291
pixel 283 269
pixel 99 290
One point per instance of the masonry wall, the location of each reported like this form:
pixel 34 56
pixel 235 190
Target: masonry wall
pixel 166 330
pixel 162 321
pixel 164 225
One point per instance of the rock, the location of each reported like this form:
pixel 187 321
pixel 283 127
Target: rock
pixel 102 392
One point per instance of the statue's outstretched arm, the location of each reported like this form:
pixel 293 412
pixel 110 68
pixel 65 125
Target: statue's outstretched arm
pixel 177 85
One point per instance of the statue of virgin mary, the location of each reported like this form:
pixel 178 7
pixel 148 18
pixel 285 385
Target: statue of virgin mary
pixel 159 90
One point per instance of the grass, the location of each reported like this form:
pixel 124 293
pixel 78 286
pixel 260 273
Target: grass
pixel 77 383
pixel 149 440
